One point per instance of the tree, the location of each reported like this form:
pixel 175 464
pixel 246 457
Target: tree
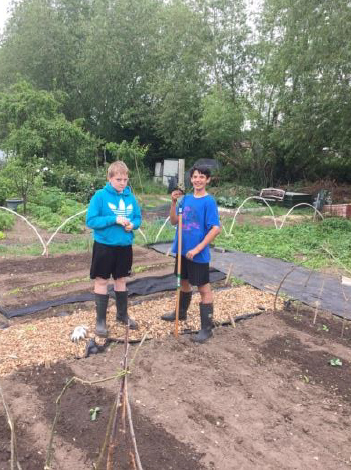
pixel 304 96
pixel 23 179
pixel 32 126
pixel 42 44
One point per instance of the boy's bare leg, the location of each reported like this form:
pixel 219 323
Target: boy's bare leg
pixel 206 314
pixel 120 286
pixel 100 286
pixel 101 303
pixel 206 294
pixel 185 285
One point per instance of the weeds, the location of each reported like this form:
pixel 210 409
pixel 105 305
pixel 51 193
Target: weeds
pixel 302 244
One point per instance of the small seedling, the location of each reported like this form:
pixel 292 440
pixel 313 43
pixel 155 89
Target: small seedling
pixel 94 412
pixel 306 379
pixel 335 362
pixel 325 328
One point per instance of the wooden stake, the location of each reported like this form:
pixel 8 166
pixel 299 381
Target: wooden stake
pixel 280 284
pixel 318 302
pixel 229 274
pixel 179 270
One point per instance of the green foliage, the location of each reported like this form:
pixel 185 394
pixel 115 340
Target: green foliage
pixel 22 179
pixel 303 97
pixel 51 207
pixel 32 126
pixel 335 362
pixel 77 244
pixel 80 184
pixel 94 412
pixel 7 220
pixel 236 282
pixel 228 201
pixel 2 235
pixel 151 230
pixel 301 244
pixel 7 187
pixel 221 120
pixel 132 154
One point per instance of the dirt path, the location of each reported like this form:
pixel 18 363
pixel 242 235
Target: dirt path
pixel 262 395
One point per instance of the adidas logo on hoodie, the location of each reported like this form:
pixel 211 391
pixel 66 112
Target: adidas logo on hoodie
pixel 122 210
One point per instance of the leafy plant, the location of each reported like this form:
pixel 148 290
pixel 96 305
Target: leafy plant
pixel 94 412
pixel 235 281
pixel 2 235
pixel 7 220
pixel 335 362
pixel 228 201
pixel 325 328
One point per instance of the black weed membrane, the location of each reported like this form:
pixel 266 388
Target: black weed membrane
pixel 142 286
pixel 267 274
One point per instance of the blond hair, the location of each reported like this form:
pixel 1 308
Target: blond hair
pixel 117 167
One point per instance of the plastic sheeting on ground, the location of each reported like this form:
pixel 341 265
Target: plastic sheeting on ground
pixel 309 286
pixel 142 286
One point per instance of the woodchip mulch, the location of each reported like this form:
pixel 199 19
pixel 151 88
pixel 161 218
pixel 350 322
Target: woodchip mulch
pixel 48 340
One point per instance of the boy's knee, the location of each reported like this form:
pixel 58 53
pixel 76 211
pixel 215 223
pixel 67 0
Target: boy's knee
pixel 186 286
pixel 206 293
pixel 100 285
pixel 120 283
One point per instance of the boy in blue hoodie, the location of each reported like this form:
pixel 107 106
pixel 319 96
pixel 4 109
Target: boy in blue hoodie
pixel 113 214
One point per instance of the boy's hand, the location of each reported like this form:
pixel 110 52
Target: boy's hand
pixel 122 221
pixel 192 253
pixel 129 227
pixel 176 194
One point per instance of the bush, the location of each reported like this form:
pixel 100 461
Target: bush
pixel 51 208
pixel 6 188
pixel 79 184
pixel 228 201
pixel 7 220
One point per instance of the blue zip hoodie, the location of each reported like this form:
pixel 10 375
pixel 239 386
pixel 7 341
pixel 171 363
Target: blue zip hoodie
pixel 105 206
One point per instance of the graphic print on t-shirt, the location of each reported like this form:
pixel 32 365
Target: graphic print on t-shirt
pixel 190 219
pixel 122 210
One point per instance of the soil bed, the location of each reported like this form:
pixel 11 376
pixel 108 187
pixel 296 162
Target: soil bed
pixel 261 395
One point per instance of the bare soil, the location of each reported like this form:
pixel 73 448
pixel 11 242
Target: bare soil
pixel 28 280
pixel 262 395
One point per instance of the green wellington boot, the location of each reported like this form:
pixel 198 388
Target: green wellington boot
pixel 184 303
pixel 122 310
pixel 101 302
pixel 206 314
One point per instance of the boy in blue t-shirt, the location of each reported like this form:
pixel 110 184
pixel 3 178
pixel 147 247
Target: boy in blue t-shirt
pixel 200 226
pixel 113 214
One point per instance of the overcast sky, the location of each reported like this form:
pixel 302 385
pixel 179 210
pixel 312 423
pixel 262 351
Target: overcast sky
pixel 4 5
pixel 3 12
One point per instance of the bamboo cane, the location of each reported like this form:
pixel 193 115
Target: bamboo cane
pixel 179 268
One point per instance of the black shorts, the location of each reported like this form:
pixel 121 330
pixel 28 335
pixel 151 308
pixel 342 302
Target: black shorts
pixel 196 273
pixel 111 260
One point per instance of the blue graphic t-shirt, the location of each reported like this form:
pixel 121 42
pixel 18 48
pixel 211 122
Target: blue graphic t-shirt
pixel 200 214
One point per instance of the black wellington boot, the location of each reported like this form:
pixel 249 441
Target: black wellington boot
pixel 184 303
pixel 206 314
pixel 122 310
pixel 101 302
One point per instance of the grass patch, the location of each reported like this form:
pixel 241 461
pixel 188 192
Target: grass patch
pixel 151 230
pixel 44 287
pixel 302 244
pixel 76 245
